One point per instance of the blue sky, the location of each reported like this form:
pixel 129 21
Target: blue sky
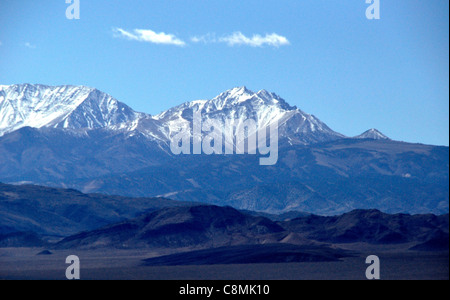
pixel 323 56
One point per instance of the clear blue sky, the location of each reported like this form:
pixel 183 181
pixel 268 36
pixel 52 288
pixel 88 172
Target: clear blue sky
pixel 325 57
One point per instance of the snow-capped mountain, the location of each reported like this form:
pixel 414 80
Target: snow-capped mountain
pixel 71 107
pixel 79 137
pixel 372 134
pixel 233 108
pixel 79 107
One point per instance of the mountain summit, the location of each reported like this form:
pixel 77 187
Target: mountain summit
pixel 71 107
pixel 372 134
pixel 240 104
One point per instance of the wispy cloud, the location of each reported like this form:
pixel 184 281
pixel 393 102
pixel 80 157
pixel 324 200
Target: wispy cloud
pixel 237 38
pixel 234 39
pixel 149 36
pixel 29 45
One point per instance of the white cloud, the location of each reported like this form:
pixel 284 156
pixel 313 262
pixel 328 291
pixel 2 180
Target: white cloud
pixel 28 45
pixel 147 35
pixel 237 38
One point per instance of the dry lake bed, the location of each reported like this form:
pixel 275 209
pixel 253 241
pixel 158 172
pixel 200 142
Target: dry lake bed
pixel 26 264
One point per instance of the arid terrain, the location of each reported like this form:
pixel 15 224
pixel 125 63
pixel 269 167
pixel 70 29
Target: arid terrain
pixel 24 263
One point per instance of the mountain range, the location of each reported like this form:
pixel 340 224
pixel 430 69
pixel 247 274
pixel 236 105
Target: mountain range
pixel 205 227
pixel 58 219
pixel 83 109
pixel 81 138
pixel 61 212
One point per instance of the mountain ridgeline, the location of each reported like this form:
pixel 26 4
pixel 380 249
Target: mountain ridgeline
pixel 36 216
pixel 82 138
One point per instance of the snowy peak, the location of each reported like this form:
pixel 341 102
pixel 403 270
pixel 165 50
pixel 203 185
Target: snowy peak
pixel 241 95
pixel 98 110
pixel 232 103
pixel 66 106
pixel 238 93
pixel 230 98
pixel 235 106
pixel 372 134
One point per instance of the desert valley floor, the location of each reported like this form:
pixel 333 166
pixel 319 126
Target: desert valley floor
pixel 24 263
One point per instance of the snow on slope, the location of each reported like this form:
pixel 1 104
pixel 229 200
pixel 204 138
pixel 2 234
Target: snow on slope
pixel 79 107
pixel 66 106
pixel 240 104
pixel 373 134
